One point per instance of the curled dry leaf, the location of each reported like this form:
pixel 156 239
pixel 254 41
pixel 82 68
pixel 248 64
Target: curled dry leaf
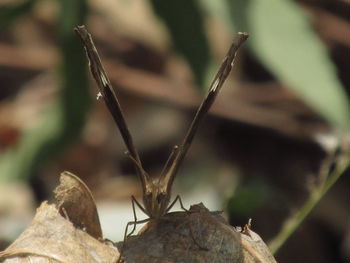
pixel 51 237
pixel 74 200
pixel 195 236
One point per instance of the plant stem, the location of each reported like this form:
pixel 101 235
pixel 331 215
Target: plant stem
pixel 291 224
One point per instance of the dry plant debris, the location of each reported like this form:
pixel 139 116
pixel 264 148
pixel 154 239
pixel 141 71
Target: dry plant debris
pixel 195 236
pixel 59 233
pixel 52 237
pixel 71 192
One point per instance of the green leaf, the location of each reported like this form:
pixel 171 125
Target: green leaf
pixel 283 40
pixel 63 121
pixel 9 13
pixel 185 24
pixel 254 196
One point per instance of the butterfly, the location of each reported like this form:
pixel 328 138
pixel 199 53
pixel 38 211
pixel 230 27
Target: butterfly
pixel 156 190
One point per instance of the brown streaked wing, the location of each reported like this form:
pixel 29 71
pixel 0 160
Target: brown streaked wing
pixel 214 89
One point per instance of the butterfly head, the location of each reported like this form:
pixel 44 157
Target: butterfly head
pixel 156 198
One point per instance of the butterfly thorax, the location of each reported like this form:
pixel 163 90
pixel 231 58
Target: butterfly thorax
pixel 156 198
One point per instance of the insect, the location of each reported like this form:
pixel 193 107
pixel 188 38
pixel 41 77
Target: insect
pixel 156 190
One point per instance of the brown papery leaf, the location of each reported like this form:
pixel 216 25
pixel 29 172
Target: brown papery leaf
pixel 56 235
pixel 52 238
pixel 193 237
pixel 74 200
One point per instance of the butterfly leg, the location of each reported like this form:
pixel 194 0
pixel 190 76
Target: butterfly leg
pixel 177 198
pixel 127 235
pixel 134 223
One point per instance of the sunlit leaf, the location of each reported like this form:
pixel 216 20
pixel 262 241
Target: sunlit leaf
pixel 284 41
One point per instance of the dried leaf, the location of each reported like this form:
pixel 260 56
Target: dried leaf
pixel 52 238
pixel 74 201
pixel 195 236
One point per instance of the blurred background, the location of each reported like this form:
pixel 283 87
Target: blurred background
pixel 259 153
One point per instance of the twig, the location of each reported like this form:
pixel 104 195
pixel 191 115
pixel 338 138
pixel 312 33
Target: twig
pixel 292 223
